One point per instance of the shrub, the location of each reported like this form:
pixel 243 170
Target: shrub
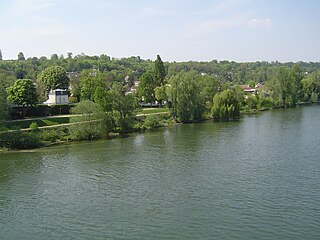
pixel 19 140
pixel 34 126
pixel 91 124
pixel 55 134
pixel 152 121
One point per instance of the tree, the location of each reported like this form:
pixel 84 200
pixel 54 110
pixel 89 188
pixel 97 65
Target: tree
pixel 90 80
pixel 21 56
pixel 159 73
pixel 226 105
pixel 311 86
pixel 146 88
pixel 69 55
pixel 283 87
pixel 0 55
pixel 54 77
pixel 160 94
pixel 92 122
pixel 4 108
pixel 184 96
pixel 23 92
pixel 7 78
pixel 209 87
pixel 125 107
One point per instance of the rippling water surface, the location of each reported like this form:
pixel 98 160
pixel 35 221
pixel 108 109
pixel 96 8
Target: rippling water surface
pixel 258 178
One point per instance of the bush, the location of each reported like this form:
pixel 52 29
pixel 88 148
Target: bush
pixel 54 135
pixel 266 103
pixel 34 126
pixel 152 121
pixel 19 140
pixel 91 124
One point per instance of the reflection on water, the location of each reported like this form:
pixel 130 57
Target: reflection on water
pixel 257 178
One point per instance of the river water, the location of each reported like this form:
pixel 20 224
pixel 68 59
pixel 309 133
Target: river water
pixel 257 178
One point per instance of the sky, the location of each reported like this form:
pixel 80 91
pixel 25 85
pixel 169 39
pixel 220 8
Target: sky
pixel 178 30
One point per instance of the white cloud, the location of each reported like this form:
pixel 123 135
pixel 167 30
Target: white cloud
pixel 259 22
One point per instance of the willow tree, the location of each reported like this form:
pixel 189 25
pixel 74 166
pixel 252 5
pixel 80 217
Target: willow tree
pixel 184 95
pixel 226 105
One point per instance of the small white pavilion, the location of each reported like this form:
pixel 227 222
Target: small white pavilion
pixel 57 96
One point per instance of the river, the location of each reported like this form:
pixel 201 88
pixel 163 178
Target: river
pixel 256 178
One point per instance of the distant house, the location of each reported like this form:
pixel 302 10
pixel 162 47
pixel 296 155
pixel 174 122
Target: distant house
pixel 57 96
pixel 248 89
pixel 133 88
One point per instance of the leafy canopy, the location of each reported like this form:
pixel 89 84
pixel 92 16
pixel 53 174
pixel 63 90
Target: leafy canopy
pixel 54 77
pixel 23 92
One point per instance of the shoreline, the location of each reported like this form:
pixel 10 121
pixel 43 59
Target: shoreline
pixel 114 135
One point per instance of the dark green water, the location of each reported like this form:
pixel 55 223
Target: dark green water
pixel 258 178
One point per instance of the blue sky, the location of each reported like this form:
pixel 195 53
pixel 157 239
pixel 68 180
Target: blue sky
pixel 178 30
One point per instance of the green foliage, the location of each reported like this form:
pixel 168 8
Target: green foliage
pixel 21 56
pixel 18 139
pixel 92 82
pixel 160 93
pixel 4 108
pixel 54 134
pixel 159 73
pixel 152 121
pixel 146 89
pixel 7 78
pixel 34 127
pixel 125 107
pixel 266 103
pixel 251 102
pixel 209 87
pixel 91 124
pixel 226 105
pixel 184 96
pixel 23 92
pixel 314 97
pixel 54 77
pixel 311 86
pixel 285 87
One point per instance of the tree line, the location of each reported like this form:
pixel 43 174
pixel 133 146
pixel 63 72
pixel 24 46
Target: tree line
pixel 192 91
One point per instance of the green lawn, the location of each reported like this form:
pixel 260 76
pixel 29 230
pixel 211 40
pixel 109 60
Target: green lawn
pixel 41 122
pixel 60 120
pixel 153 110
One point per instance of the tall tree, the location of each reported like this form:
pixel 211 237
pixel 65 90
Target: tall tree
pixel 146 89
pixel 184 96
pixel 125 107
pixel 23 92
pixel 311 86
pixel 4 108
pixel 159 73
pixel 0 55
pixel 283 87
pixel 90 80
pixel 21 56
pixel 54 77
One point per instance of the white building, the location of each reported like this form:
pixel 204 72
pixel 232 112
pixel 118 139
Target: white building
pixel 57 96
